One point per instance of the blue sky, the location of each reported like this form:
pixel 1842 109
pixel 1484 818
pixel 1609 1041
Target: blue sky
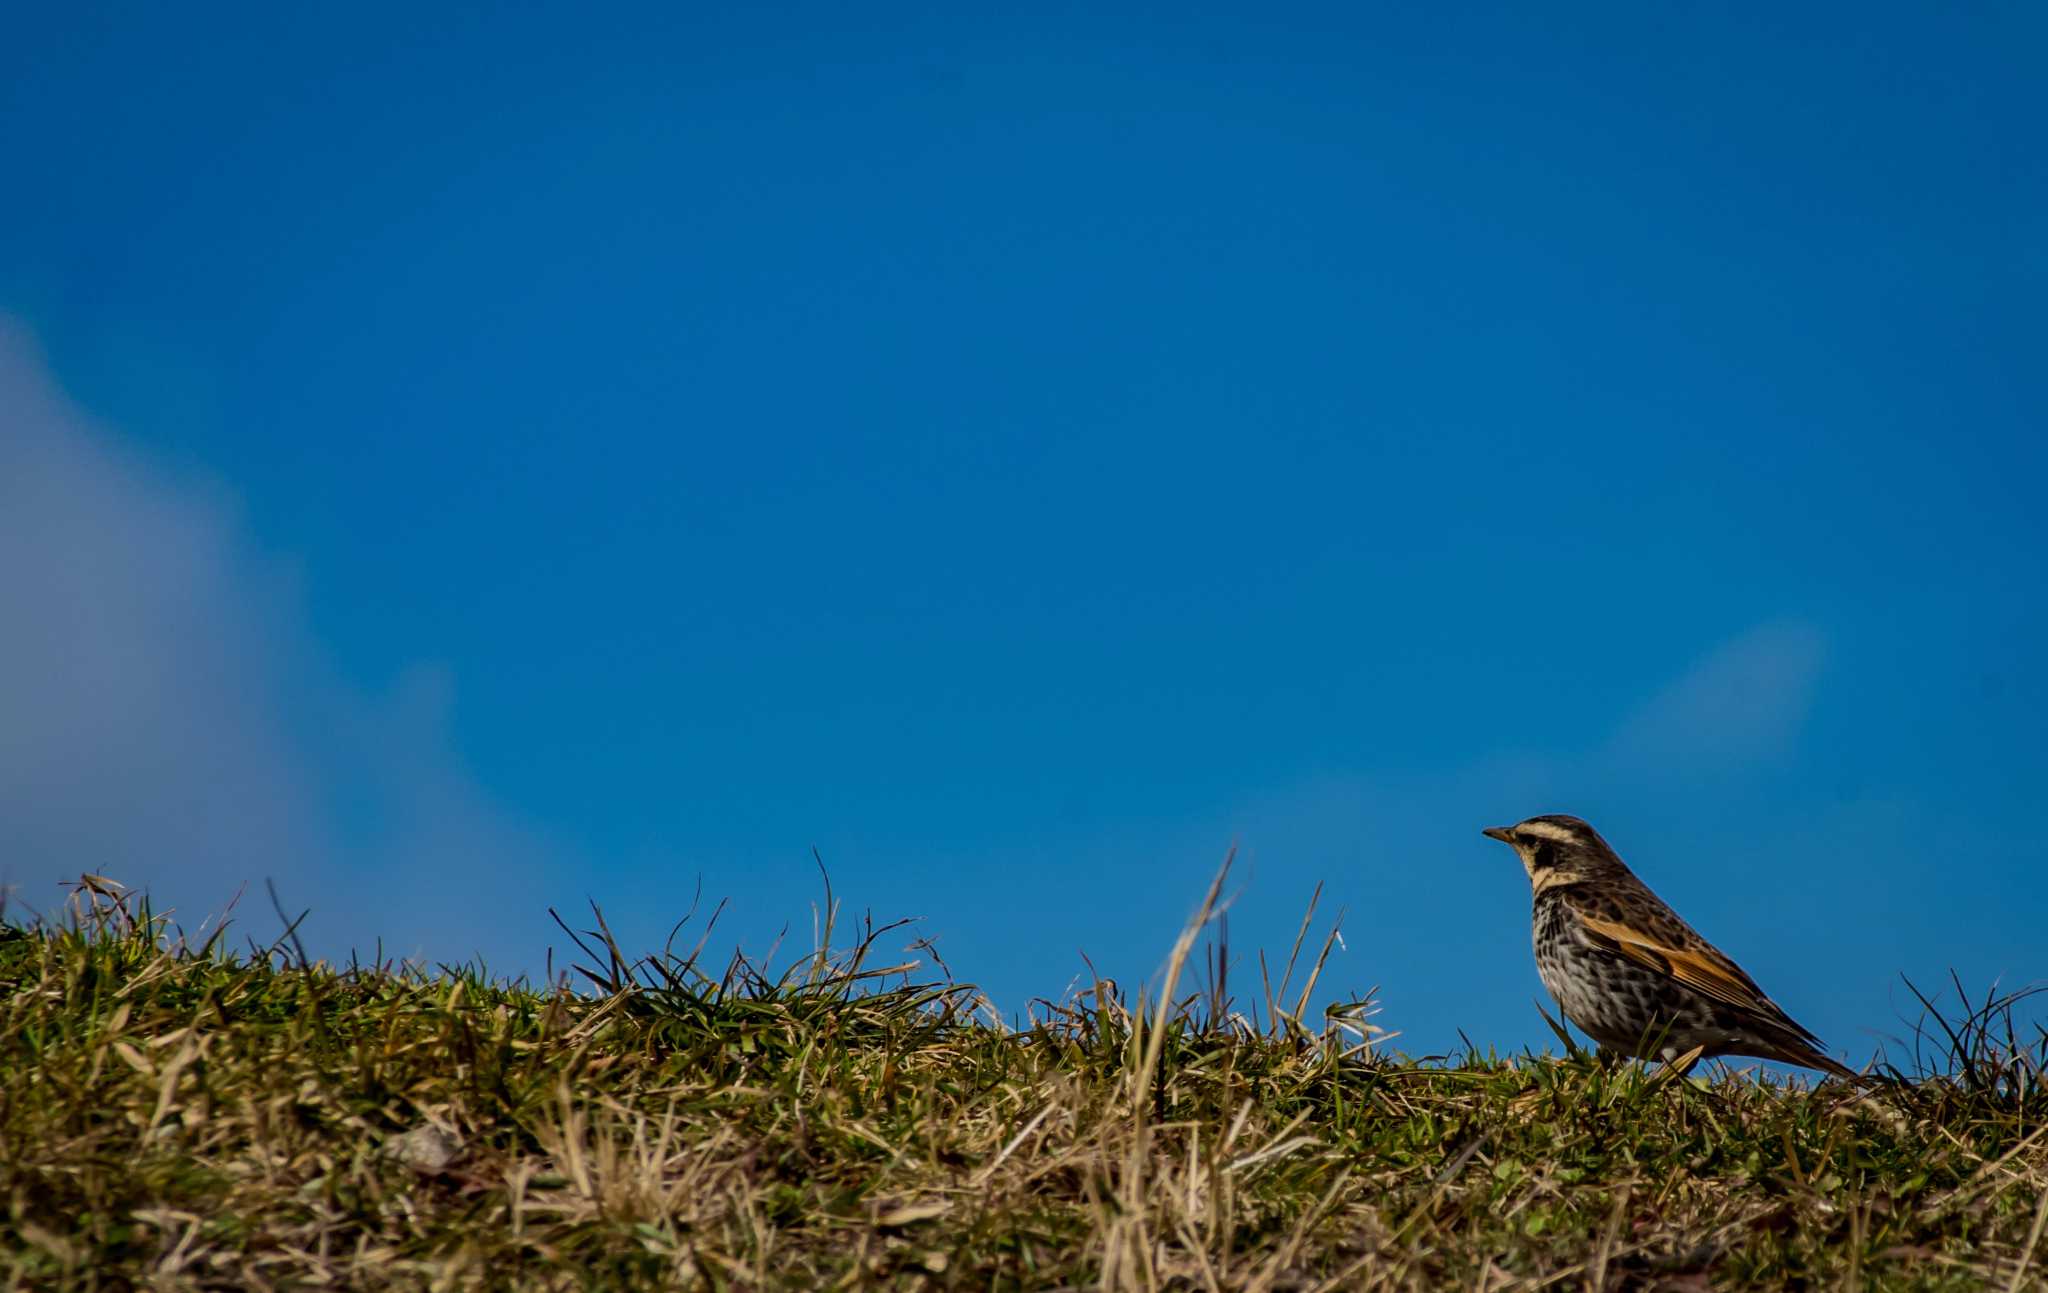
pixel 455 465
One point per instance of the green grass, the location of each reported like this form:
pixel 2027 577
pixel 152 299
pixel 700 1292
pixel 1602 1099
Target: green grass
pixel 181 1117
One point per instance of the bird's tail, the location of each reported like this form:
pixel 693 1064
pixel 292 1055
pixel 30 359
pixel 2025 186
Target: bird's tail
pixel 1805 1056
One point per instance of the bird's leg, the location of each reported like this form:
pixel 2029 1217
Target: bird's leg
pixel 1678 1065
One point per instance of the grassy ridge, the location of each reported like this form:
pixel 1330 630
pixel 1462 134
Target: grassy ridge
pixel 179 1117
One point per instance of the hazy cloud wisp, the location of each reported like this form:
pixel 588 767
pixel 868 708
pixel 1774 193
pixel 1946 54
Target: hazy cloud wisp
pixel 166 718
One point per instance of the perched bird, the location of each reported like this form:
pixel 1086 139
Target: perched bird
pixel 1628 971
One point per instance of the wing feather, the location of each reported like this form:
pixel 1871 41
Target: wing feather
pixel 1701 968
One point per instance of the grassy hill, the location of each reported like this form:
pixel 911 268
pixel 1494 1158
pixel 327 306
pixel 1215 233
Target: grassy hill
pixel 182 1117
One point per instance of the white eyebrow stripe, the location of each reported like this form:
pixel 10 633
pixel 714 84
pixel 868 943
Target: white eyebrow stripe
pixel 1549 831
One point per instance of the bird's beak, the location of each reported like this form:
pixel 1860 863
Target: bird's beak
pixel 1505 834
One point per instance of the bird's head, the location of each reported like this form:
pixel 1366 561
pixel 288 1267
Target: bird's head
pixel 1556 849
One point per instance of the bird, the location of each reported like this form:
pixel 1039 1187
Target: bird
pixel 1630 972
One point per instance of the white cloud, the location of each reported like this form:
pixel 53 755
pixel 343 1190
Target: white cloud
pixel 167 719
pixel 1741 704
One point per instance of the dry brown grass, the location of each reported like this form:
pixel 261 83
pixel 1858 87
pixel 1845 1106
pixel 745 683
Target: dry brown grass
pixel 173 1117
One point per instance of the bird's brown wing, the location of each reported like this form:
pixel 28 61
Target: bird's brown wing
pixel 1654 937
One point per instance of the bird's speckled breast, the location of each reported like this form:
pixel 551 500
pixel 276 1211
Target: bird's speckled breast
pixel 1551 935
pixel 1613 1000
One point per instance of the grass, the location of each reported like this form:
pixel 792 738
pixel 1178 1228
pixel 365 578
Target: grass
pixel 182 1117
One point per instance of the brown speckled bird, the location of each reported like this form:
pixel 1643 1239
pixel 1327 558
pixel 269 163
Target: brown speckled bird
pixel 1627 970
